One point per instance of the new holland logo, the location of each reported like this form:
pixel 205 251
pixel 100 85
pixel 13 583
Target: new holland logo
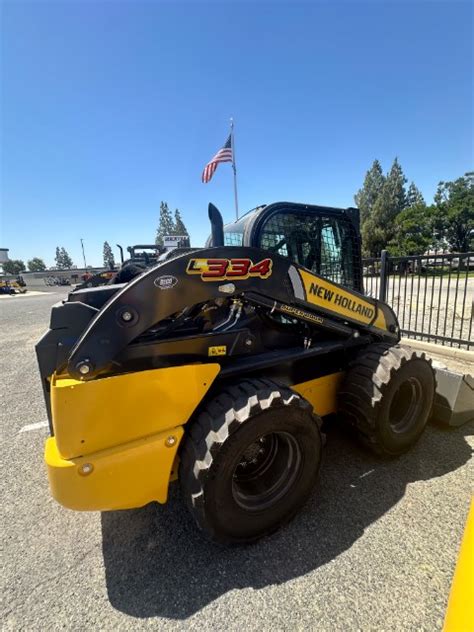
pixel 165 282
pixel 346 302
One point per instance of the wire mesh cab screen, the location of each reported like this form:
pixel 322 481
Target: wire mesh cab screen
pixel 233 238
pixel 234 233
pixel 324 244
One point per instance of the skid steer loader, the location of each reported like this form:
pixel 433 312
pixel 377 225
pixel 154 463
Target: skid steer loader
pixel 216 367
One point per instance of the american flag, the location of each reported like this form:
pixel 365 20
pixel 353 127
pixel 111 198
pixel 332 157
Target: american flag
pixel 223 155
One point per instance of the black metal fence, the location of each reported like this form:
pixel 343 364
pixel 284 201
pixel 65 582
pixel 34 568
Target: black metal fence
pixel 432 295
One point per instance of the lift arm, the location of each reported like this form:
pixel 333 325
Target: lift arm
pixel 249 274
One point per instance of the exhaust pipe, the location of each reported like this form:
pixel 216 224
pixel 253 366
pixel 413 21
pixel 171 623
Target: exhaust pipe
pixel 121 252
pixel 217 226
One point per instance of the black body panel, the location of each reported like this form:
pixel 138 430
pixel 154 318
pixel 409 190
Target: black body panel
pixel 246 308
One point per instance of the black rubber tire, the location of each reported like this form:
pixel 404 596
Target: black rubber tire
pixel 214 445
pixel 387 396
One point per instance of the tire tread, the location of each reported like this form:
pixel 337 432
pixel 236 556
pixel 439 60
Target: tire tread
pixel 220 418
pixel 364 386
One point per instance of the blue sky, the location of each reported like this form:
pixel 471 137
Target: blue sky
pixel 110 107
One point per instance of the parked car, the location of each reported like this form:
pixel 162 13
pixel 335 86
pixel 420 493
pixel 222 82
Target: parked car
pixel 463 263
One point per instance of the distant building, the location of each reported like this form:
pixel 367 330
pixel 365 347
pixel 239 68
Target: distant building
pixel 55 276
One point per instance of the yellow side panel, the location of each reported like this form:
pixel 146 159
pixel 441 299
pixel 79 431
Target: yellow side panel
pixel 95 415
pixel 380 321
pixel 343 303
pixel 460 612
pixel 128 476
pixel 321 392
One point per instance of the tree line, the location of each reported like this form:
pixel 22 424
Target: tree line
pixel 399 220
pixel 62 261
pixel 167 225
pixel 392 217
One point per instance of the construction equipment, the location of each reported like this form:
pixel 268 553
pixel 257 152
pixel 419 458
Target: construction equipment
pixel 217 365
pixel 146 256
pixel 12 286
pixel 141 256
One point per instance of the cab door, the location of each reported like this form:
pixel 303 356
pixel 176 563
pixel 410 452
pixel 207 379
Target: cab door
pixel 323 242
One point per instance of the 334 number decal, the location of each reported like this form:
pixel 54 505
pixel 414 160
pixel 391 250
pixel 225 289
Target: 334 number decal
pixel 235 269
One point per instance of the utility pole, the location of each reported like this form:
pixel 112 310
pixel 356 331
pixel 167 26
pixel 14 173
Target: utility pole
pixel 83 253
pixel 234 168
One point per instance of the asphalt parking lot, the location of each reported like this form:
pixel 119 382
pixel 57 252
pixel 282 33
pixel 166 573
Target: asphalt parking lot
pixel 374 548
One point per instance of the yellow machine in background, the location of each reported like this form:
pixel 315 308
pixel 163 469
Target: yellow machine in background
pixel 11 287
pixel 460 612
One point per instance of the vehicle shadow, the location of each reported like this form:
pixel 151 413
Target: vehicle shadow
pixel 158 564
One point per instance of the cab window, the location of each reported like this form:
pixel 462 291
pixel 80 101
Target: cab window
pixel 324 244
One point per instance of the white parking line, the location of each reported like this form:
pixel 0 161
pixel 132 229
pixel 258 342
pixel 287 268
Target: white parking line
pixel 39 424
pixel 25 295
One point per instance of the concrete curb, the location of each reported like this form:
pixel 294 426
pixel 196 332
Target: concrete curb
pixel 429 347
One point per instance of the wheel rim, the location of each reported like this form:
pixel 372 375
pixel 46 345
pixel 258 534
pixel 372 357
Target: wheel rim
pixel 406 406
pixel 266 471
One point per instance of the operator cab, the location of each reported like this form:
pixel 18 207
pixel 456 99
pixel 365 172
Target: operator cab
pixel 323 239
pixel 144 254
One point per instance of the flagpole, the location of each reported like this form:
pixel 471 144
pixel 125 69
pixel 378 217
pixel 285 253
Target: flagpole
pixel 234 168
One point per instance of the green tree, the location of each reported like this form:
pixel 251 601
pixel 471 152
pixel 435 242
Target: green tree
pixel 179 227
pixel 109 259
pixel 67 261
pixel 414 196
pixel 36 265
pixel 414 231
pixel 62 258
pixel 166 224
pixel 455 204
pixel 366 197
pixel 382 205
pixel 13 266
pixel 373 238
pixel 394 189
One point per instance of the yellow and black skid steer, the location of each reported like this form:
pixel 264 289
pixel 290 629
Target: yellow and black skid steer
pixel 217 366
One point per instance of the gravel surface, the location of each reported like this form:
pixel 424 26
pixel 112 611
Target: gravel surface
pixel 373 549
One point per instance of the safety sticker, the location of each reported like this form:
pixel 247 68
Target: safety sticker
pixel 217 351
